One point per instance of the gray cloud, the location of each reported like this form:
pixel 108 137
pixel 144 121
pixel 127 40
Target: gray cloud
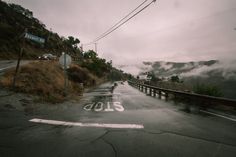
pixel 227 70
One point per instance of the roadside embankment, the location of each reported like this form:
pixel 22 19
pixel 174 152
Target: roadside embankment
pixel 45 79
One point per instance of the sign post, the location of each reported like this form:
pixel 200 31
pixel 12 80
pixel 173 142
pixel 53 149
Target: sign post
pixel 65 61
pixel 26 35
pixel 18 60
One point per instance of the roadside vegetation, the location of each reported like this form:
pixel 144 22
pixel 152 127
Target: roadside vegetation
pixel 14 19
pixel 45 78
pixel 211 90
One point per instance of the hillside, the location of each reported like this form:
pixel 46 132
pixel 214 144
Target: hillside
pixel 46 78
pixel 214 73
pixel 14 19
pixel 166 69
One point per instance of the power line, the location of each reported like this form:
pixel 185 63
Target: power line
pixel 119 24
pixel 123 18
pixel 103 36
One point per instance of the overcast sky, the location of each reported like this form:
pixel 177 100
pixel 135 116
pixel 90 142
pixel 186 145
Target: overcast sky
pixel 169 30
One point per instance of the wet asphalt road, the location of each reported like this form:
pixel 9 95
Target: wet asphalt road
pixel 168 130
pixel 7 64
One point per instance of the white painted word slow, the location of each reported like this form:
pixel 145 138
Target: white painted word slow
pixel 107 107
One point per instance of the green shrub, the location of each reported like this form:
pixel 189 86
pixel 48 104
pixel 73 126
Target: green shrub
pixel 210 90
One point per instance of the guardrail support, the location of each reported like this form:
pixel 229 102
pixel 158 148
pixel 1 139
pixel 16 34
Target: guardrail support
pixel 159 94
pixel 150 91
pixel 154 92
pixel 166 96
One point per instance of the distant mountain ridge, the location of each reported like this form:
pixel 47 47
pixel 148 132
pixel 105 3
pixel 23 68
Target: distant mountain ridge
pixel 219 73
pixel 166 69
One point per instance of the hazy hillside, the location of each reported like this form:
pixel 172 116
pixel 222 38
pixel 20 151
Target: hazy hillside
pixel 220 74
pixel 166 69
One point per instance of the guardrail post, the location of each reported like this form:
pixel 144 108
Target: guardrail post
pixel 167 96
pixel 150 91
pixel 154 92
pixel 159 94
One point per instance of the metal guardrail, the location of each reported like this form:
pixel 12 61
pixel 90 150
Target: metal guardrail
pixel 192 96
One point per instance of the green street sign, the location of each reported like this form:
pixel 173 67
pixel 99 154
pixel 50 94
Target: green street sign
pixel 34 38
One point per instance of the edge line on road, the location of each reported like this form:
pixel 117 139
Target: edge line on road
pixel 218 115
pixel 98 125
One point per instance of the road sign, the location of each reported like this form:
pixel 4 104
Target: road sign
pixel 34 38
pixel 65 60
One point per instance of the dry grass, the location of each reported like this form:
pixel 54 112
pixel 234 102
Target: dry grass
pixel 82 75
pixel 45 79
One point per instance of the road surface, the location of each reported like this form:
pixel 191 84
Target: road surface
pixel 122 123
pixel 7 64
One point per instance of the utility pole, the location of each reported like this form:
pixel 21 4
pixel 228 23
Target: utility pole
pixel 95 44
pixel 65 74
pixel 82 48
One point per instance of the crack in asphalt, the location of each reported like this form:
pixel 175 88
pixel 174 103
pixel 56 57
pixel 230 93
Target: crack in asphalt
pixel 112 146
pixel 178 134
pixel 160 132
pixel 188 136
pixel 199 138
pixel 101 137
pixel 154 133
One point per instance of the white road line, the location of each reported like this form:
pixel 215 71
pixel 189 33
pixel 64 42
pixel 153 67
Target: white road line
pixel 3 69
pixel 99 125
pixel 218 115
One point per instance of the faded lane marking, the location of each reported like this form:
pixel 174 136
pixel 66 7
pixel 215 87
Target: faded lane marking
pixel 3 69
pixel 218 115
pixel 98 125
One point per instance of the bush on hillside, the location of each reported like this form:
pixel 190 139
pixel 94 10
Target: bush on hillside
pixel 210 90
pixel 81 75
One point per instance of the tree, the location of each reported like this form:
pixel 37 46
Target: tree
pixel 175 79
pixel 90 55
pixel 153 77
pixel 72 42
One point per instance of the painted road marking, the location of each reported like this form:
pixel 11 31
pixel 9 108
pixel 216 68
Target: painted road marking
pixel 98 125
pixel 107 107
pixel 218 115
pixel 3 69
